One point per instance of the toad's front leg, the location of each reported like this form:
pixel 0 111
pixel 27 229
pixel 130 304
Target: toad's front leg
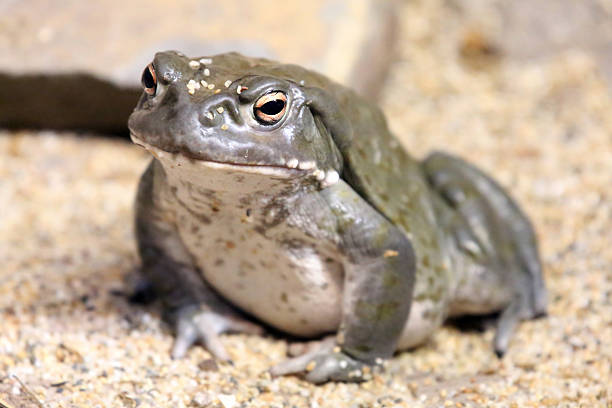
pixel 379 267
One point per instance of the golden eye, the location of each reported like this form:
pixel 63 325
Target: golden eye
pixel 270 108
pixel 149 80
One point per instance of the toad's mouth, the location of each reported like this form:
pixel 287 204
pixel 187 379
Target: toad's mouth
pixel 181 159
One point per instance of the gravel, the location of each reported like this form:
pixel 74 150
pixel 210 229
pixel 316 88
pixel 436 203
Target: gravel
pixel 69 338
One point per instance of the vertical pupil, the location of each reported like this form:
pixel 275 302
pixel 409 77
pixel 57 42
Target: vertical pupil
pixel 273 107
pixel 147 79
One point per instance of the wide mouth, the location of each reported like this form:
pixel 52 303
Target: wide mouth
pixel 179 159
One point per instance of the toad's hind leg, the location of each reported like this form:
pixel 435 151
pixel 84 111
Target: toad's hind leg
pixel 498 241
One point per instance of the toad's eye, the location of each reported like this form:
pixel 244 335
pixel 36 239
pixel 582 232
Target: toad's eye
pixel 270 108
pixel 149 80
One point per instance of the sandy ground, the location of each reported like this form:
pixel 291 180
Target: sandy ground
pixel 544 129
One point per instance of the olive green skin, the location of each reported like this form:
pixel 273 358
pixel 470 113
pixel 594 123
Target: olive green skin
pixel 437 235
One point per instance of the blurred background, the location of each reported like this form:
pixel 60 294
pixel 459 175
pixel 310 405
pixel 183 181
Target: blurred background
pixel 521 88
pixel 62 70
pixel 61 65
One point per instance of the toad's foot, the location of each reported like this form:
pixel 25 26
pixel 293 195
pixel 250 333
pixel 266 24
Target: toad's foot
pixel 325 363
pixel 518 310
pixel 198 324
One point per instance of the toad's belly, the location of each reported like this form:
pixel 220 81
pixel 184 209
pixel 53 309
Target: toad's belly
pixel 291 287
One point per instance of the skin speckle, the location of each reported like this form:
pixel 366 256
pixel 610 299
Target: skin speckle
pixel 306 165
pixel 311 366
pixel 192 86
pixel 292 163
pixel 230 245
pixel 375 312
pixel 201 217
pixel 425 261
pixel 331 178
pixel 363 349
pixel 390 279
pixel 389 253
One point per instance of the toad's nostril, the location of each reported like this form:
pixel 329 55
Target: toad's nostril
pixel 220 108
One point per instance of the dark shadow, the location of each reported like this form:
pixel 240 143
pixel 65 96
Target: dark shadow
pixel 474 323
pixel 76 101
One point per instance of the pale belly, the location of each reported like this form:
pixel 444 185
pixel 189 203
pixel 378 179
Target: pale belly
pixel 295 289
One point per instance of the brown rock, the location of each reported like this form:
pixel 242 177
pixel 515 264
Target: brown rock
pixel 208 365
pixel 78 66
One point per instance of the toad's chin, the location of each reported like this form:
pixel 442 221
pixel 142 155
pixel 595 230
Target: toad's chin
pixel 172 160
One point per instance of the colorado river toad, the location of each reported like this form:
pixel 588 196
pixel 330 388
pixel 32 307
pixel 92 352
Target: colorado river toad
pixel 279 196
